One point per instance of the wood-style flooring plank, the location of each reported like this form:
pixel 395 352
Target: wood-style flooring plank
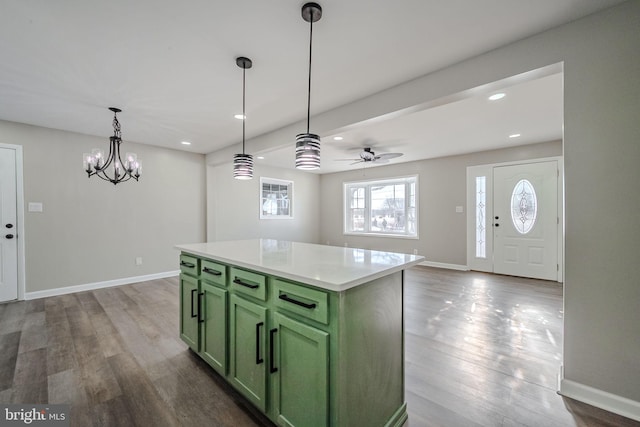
pixel 9 343
pixel 145 405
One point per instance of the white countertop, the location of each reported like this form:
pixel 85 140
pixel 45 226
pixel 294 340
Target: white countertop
pixel 329 267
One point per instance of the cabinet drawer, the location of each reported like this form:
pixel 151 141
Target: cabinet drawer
pixel 307 302
pixel 189 264
pixel 213 272
pixel 248 283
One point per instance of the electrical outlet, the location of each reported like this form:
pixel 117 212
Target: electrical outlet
pixel 139 260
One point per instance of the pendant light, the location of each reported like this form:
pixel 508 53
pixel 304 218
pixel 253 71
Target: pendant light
pixel 308 144
pixel 243 163
pixel 111 168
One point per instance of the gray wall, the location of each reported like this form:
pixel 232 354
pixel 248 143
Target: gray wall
pixel 441 187
pixel 233 205
pixel 92 231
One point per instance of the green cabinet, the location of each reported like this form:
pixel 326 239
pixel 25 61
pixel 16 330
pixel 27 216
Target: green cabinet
pixel 247 325
pixel 213 326
pixel 188 311
pixel 300 373
pixel 303 355
pixel 203 310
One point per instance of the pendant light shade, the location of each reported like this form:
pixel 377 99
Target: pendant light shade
pixel 308 144
pixel 243 163
pixel 307 151
pixel 242 166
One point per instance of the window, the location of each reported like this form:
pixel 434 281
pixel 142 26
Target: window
pixel 481 216
pixel 276 197
pixel 524 206
pixel 383 208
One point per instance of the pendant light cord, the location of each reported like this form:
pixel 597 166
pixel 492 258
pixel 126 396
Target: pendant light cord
pixel 309 89
pixel 244 115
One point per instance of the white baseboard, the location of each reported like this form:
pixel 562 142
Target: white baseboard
pixel 444 265
pixel 98 285
pixel 601 399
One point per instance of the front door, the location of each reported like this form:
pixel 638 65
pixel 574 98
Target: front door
pixel 525 220
pixel 8 226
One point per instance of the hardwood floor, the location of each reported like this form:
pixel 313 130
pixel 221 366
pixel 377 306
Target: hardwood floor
pixel 481 350
pixel 485 350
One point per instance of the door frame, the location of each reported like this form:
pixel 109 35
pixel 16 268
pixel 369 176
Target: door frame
pixel 19 216
pixel 486 264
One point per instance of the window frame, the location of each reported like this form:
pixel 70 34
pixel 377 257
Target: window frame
pixel 289 184
pixel 367 185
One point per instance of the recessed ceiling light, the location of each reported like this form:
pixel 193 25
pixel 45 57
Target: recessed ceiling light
pixel 338 138
pixel 240 116
pixel 496 96
pixel 185 143
pixel 260 157
pixel 514 135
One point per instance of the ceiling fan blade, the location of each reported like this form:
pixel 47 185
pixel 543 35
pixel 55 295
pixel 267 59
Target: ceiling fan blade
pixel 357 161
pixel 388 155
pixel 348 160
pixel 380 160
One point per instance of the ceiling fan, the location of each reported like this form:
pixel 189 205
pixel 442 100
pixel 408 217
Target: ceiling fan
pixel 367 155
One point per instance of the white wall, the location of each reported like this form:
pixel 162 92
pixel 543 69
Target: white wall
pixel 233 206
pixel 441 187
pixel 90 230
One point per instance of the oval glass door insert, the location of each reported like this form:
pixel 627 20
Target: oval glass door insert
pixel 524 206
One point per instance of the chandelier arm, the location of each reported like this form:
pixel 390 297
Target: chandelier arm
pixel 109 158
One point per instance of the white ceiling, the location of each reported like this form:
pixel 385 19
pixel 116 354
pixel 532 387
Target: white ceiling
pixel 170 66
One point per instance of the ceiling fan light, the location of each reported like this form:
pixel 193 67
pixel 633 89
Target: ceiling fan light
pixel 307 151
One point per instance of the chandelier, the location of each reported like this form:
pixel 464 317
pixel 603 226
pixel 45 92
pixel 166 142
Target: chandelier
pixel 111 168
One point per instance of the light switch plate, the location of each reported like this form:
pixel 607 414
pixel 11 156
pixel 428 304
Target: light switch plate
pixel 459 209
pixel 35 207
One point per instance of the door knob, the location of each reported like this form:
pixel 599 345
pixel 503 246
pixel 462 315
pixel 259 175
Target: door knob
pixel 9 225
pixel 9 236
pixel 497 225
pixel 497 217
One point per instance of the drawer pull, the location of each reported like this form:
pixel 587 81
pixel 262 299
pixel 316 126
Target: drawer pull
pixel 200 319
pixel 284 297
pixel 259 359
pixel 187 264
pixel 247 285
pixel 193 291
pixel 272 334
pixel 212 271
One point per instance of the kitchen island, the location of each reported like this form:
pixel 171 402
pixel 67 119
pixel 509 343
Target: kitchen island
pixel 312 335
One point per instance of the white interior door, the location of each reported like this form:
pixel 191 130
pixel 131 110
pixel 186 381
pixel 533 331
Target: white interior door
pixel 526 220
pixel 8 226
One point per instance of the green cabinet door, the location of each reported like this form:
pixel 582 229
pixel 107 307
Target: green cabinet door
pixel 247 361
pixel 300 373
pixel 213 329
pixel 189 311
